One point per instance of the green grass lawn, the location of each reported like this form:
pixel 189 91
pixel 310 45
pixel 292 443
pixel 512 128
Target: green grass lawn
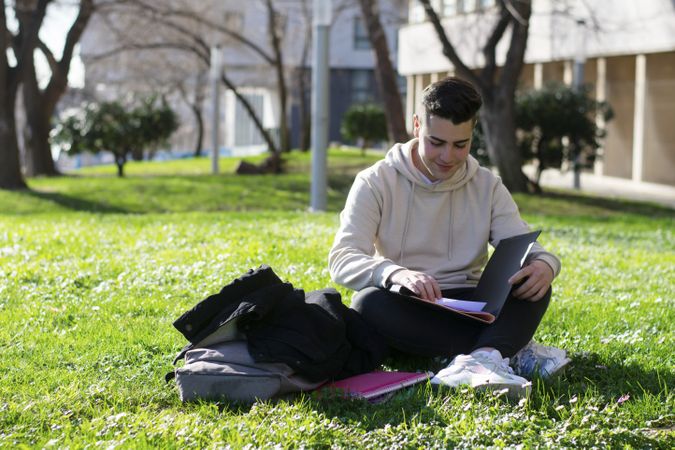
pixel 95 269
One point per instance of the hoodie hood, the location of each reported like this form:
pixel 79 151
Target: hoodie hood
pixel 400 157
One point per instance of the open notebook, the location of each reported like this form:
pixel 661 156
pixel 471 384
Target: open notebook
pixel 493 287
pixel 375 386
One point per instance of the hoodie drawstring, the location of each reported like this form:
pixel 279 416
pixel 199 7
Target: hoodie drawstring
pixel 452 221
pixel 407 221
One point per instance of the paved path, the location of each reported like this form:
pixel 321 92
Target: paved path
pixel 610 187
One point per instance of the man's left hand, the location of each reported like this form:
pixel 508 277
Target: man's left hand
pixel 537 276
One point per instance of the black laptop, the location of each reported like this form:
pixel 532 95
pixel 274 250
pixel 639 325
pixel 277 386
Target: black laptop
pixel 493 287
pixel 507 259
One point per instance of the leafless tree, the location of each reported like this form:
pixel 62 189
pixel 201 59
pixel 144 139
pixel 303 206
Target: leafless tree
pixel 183 27
pixel 497 85
pixel 21 46
pixel 384 72
pixel 194 98
pixel 302 70
pixel 302 79
pixel 176 76
pixel 40 103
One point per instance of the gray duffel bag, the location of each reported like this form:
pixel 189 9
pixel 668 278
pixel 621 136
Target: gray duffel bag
pixel 226 371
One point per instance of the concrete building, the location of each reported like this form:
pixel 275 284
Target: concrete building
pixel 629 53
pixel 351 66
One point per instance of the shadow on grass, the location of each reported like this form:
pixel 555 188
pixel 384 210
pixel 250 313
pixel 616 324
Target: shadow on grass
pixel 570 203
pixel 76 203
pixel 160 193
pixel 610 381
pixel 624 206
pixel 587 384
pixel 605 383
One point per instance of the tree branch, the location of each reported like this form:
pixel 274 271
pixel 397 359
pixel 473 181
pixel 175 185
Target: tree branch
pixel 489 50
pixel 191 15
pixel 46 51
pixel 448 49
pixel 198 47
pixel 273 30
pixel 251 112
pixel 30 21
pixel 6 39
pixel 204 57
pixel 511 8
pixel 516 54
pixel 74 34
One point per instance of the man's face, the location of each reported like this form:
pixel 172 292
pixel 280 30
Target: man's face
pixel 443 146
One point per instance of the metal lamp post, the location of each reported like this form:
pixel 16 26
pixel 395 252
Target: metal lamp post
pixel 320 74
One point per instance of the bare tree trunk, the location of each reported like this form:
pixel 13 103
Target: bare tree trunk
pixel 10 167
pixel 22 45
pixel 39 160
pixel 385 73
pixel 305 116
pixel 284 135
pixel 498 88
pixel 302 75
pixel 40 104
pixel 196 107
pixel 120 160
pixel 498 121
pixel 200 130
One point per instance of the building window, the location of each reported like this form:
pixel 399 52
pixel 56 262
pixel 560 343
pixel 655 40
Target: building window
pixel 448 8
pixel 487 4
pixel 233 21
pixel 246 133
pixel 402 83
pixel 361 41
pixel 361 90
pixel 466 6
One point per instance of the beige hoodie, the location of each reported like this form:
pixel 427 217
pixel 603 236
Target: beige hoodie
pixel 394 219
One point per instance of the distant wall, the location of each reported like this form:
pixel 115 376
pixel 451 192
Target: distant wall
pixel 659 143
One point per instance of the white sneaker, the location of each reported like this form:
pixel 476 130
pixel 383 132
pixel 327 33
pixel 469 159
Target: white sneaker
pixel 483 370
pixel 536 359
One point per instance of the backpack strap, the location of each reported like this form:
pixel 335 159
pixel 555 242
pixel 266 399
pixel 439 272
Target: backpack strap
pixel 182 353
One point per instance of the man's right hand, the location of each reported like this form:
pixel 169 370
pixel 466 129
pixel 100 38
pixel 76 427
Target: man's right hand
pixel 420 283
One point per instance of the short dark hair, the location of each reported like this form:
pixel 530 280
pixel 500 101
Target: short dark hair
pixel 451 98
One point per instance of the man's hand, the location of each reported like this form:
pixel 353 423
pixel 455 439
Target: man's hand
pixel 420 283
pixel 538 277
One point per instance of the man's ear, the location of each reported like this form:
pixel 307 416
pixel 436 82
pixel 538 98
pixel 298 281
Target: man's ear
pixel 416 125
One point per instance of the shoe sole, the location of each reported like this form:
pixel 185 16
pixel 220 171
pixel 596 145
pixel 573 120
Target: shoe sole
pixel 557 371
pixel 514 392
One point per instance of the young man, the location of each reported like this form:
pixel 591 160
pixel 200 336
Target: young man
pixel 422 218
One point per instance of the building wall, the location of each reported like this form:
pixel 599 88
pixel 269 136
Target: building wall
pixel 618 145
pixel 349 87
pixel 629 49
pixel 659 142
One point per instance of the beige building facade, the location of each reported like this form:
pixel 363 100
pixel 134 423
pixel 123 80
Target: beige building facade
pixel 628 50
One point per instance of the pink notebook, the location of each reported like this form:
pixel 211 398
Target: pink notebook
pixel 376 384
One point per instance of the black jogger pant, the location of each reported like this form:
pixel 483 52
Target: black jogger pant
pixel 418 329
